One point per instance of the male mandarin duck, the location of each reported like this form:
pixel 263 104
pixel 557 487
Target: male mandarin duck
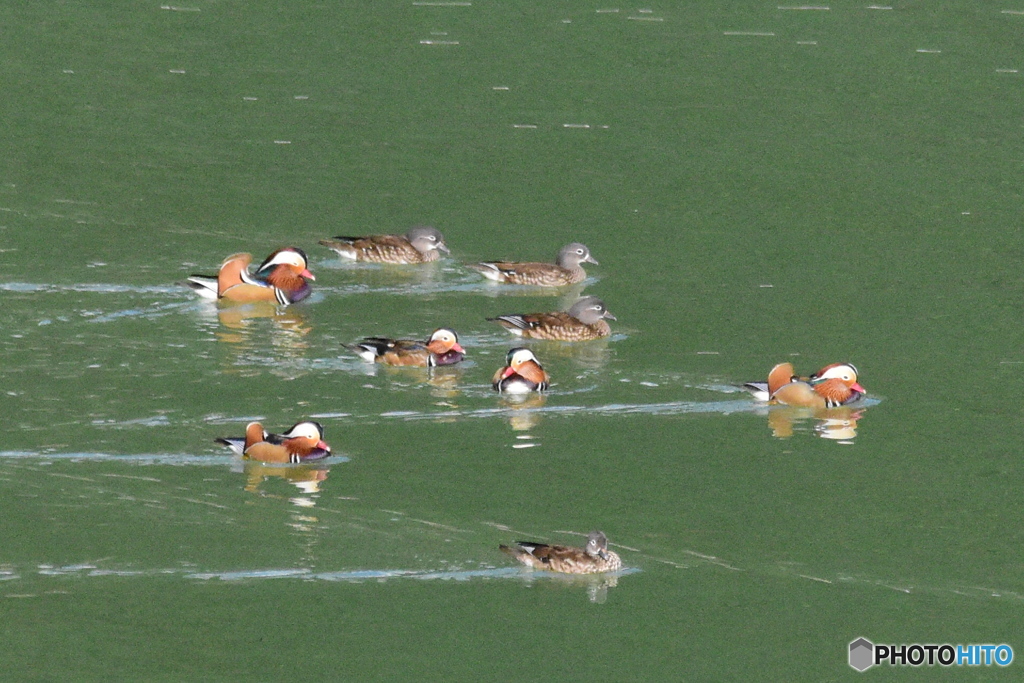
pixel 521 374
pixel 565 270
pixel 584 320
pixel 442 348
pixel 420 245
pixel 833 386
pixel 595 558
pixel 283 278
pixel 304 442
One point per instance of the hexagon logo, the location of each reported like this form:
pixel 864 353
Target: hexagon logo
pixel 862 654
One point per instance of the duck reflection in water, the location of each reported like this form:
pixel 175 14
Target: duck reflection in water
pixel 523 411
pixel 252 331
pixel 830 423
pixel 306 478
pixel 596 585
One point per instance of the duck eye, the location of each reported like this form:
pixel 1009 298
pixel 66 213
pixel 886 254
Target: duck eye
pixel 431 238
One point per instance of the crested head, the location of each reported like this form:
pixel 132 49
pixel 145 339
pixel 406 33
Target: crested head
pixel 572 255
pixel 306 430
pixel 288 256
pixel 520 355
pixel 446 339
pixel 844 371
pixel 589 310
pixel 426 239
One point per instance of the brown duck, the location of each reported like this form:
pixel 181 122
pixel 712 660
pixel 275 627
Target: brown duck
pixel 595 558
pixel 565 270
pixel 585 320
pixel 421 244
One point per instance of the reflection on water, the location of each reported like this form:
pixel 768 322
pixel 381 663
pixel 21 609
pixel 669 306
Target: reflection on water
pixel 244 329
pixel 590 355
pixel 839 424
pixel 523 410
pixel 306 478
pixel 596 585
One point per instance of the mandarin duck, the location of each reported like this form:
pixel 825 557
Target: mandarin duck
pixel 304 442
pixel 595 558
pixel 565 270
pixel 521 374
pixel 282 278
pixel 585 320
pixel 420 245
pixel 833 386
pixel 442 348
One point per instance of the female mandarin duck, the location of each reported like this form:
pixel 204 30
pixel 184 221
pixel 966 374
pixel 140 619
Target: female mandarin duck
pixel 585 320
pixel 593 559
pixel 283 278
pixel 521 374
pixel 565 270
pixel 441 349
pixel 833 386
pixel 420 245
pixel 304 442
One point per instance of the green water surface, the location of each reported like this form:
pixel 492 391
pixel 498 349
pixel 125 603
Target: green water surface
pixel 759 183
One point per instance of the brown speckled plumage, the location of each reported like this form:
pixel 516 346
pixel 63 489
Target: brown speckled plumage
pixel 584 321
pixel 420 245
pixel 566 269
pixel 595 558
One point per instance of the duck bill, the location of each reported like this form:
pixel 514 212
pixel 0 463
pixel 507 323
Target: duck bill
pixel 607 314
pixel 508 372
pixel 441 246
pixel 322 445
pixel 306 274
pixel 857 387
pixel 591 259
pixel 458 347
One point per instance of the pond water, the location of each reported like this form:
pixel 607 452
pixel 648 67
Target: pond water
pixel 760 184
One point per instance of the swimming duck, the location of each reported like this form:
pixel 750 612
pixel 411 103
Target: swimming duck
pixel 565 270
pixel 420 245
pixel 584 320
pixel 592 559
pixel 442 348
pixel 282 278
pixel 521 374
pixel 304 442
pixel 833 386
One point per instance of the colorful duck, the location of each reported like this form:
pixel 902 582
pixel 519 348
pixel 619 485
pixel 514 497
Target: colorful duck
pixel 522 373
pixel 304 442
pixel 421 244
pixel 282 278
pixel 584 320
pixel 595 558
pixel 442 348
pixel 566 269
pixel 833 386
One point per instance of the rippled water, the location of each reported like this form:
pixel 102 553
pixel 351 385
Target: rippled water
pixel 760 184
